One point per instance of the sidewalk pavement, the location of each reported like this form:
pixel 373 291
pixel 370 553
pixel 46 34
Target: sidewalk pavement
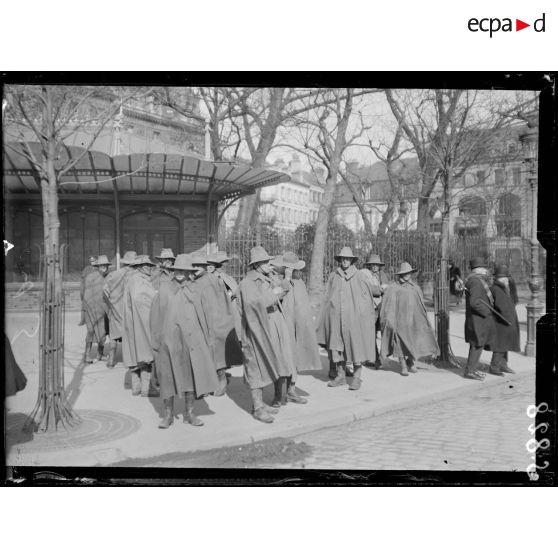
pixel 117 426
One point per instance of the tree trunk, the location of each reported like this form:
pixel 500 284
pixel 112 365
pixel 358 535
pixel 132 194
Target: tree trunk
pixel 316 273
pixel 423 217
pixel 52 408
pixel 441 300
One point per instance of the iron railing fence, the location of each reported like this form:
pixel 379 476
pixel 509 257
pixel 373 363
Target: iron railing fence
pixel 421 250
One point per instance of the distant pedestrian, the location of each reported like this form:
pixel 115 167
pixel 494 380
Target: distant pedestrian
pixel 455 282
pixel 298 314
pixel 217 308
pixel 480 328
pixel 162 272
pixel 89 268
pixel 136 333
pixel 406 331
pixel 346 320
pixel 179 338
pixel 113 291
pixel 95 308
pixel 266 345
pixel 507 334
pixel 374 267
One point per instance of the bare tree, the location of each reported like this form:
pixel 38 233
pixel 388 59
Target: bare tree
pixel 48 116
pixel 451 131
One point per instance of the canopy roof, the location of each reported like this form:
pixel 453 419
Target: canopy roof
pixel 137 173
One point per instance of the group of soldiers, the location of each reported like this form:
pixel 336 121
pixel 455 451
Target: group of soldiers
pixel 183 322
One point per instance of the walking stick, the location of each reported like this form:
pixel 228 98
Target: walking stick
pixel 491 308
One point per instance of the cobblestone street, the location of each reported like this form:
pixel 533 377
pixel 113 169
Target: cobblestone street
pixel 485 431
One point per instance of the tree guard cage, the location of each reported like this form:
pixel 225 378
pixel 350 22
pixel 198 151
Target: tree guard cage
pixel 52 407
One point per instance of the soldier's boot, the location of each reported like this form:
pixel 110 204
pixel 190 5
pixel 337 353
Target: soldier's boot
pixel 100 351
pixel 86 355
pixel 378 364
pixel 147 388
pixel 259 410
pixel 189 415
pixel 403 363
pixel 280 392
pixel 332 374
pixel 111 354
pixel 340 379
pixel 136 381
pixel 222 390
pixel 292 397
pixel 357 381
pixel 411 366
pixel 168 417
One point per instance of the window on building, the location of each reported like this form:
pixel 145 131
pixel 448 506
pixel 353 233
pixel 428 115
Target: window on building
pixel 481 176
pixel 508 216
pixel 516 176
pixel 472 216
pixel 499 177
pixel 512 147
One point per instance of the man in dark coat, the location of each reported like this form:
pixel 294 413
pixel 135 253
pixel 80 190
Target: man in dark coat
pixel 162 272
pixel 217 307
pixel 136 333
pixel 455 281
pixel 298 314
pixel 95 308
pixel 346 319
pixel 179 338
pixel 406 331
pixel 113 291
pixel 480 329
pixel 374 268
pixel 507 334
pixel 268 355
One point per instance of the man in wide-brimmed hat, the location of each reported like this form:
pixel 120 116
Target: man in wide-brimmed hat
pixel 507 334
pixel 162 271
pixel 113 291
pixel 298 314
pixel 180 341
pixel 95 308
pixel 268 355
pixel 136 337
pixel 346 319
pixel 374 269
pixel 217 308
pixel 406 331
pixel 480 329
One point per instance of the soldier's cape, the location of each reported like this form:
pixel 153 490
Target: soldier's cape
pixel 94 305
pixel 136 333
pixel 298 313
pixel 179 337
pixel 113 291
pixel 406 330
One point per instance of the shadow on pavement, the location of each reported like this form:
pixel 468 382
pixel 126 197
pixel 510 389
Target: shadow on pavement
pixel 201 407
pixel 14 430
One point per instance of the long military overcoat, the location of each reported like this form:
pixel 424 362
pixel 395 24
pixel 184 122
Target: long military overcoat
pixel 406 331
pixel 507 336
pixel 217 307
pixel 136 332
pixel 480 329
pixel 264 332
pixel 113 291
pixel 94 305
pixel 298 313
pixel 231 287
pixel 179 340
pixel 346 318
